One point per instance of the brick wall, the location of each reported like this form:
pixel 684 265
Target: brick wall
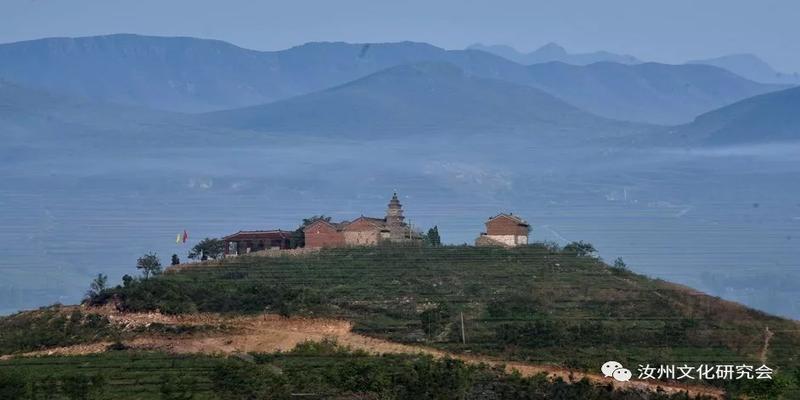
pixel 361 232
pixel 321 234
pixel 361 238
pixel 502 226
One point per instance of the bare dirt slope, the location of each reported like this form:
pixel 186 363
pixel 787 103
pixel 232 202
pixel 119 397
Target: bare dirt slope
pixel 270 333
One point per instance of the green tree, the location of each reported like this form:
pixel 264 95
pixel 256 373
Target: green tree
pixel 175 260
pixel 315 218
pixel 580 249
pixel 98 285
pixel 435 320
pixel 149 264
pixel 432 237
pixel 298 238
pixel 620 264
pixel 207 248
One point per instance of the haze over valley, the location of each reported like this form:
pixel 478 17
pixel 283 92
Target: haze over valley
pixel 114 144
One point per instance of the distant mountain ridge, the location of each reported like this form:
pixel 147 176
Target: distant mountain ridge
pixel 751 67
pixel 554 52
pixel 413 99
pixel 772 117
pixel 650 92
pixel 199 75
pixel 196 75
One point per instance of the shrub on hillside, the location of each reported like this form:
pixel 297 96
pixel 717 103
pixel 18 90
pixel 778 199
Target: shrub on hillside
pixel 434 320
pixel 50 327
pixel 235 381
pixel 580 249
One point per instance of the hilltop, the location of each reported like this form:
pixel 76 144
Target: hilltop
pixel 525 303
pixel 537 305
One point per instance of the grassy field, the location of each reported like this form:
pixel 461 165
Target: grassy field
pixel 312 370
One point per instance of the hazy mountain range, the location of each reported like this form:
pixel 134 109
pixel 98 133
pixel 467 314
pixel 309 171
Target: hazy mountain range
pixel 748 66
pixel 466 92
pixel 196 75
pixel 751 67
pixel 554 52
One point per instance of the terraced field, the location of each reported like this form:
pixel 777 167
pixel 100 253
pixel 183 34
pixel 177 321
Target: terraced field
pixel 536 307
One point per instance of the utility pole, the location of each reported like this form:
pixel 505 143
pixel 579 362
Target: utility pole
pixel 463 335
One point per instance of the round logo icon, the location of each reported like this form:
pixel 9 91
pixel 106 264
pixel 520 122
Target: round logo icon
pixel 622 375
pixel 609 367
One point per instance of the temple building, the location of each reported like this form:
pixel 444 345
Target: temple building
pixel 363 231
pixel 506 230
pixel 244 242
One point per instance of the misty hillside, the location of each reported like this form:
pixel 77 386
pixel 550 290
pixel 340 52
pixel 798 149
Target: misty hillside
pixel 22 105
pixel 751 67
pixel 420 98
pixel 198 75
pixel 31 117
pixel 650 92
pixel 554 52
pixel 772 117
pixel 35 123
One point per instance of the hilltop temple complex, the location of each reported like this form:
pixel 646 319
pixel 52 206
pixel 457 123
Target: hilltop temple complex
pixel 506 230
pixel 362 231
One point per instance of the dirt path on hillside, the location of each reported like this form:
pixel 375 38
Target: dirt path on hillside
pixel 271 333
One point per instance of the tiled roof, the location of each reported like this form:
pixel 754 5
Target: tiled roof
pixel 510 216
pixel 259 235
pixel 378 222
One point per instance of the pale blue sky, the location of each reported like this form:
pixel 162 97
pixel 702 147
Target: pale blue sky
pixel 667 31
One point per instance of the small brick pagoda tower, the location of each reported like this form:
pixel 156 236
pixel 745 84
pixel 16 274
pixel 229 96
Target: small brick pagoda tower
pixel 398 231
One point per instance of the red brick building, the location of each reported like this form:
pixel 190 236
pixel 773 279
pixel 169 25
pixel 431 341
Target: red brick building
pixel 362 231
pixel 244 242
pixel 324 234
pixel 504 230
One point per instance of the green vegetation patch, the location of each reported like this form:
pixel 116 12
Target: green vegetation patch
pixel 312 370
pixel 536 303
pixel 52 327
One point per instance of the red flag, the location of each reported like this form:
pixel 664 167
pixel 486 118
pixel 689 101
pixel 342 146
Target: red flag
pixel 185 236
